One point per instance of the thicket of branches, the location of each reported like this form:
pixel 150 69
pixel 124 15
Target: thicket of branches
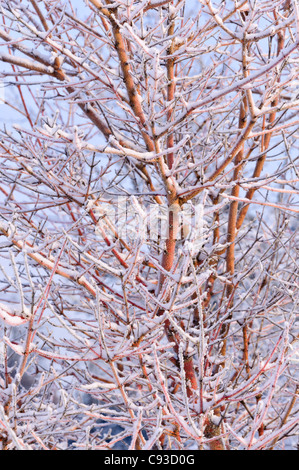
pixel 175 335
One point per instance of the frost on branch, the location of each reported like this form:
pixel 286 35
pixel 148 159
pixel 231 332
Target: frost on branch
pixel 13 318
pixel 149 225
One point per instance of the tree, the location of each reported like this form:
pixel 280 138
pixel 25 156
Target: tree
pixel 148 221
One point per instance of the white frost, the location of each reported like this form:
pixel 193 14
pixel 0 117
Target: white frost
pixel 13 318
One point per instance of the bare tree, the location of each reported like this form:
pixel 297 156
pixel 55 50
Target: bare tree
pixel 148 217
